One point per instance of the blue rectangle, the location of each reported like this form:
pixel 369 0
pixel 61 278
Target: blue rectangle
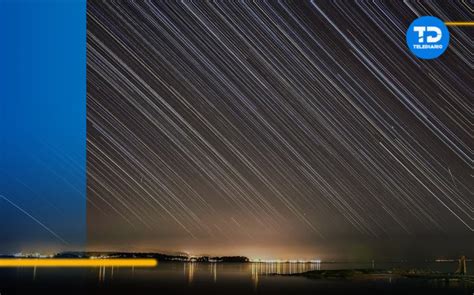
pixel 42 125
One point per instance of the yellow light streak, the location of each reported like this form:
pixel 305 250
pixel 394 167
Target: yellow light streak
pixel 60 262
pixel 464 24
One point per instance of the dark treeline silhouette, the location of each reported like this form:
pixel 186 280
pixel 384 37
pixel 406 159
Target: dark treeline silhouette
pixel 157 256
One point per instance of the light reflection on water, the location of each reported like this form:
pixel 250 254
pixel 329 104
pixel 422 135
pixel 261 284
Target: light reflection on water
pixel 215 278
pixel 213 272
pixel 259 269
pixel 189 272
pixel 205 271
pixel 254 270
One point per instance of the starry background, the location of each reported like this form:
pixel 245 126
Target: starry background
pixel 289 129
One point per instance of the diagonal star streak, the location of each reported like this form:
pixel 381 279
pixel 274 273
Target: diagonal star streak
pixel 34 219
pixel 275 120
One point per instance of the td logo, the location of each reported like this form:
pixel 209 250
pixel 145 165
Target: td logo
pixel 427 37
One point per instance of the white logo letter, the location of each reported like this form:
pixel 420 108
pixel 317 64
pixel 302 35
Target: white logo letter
pixel 431 39
pixel 420 31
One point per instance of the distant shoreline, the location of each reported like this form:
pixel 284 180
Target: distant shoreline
pixel 184 257
pixel 158 256
pixel 375 274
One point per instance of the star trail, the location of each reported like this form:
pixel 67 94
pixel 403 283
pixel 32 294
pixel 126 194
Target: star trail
pixel 215 126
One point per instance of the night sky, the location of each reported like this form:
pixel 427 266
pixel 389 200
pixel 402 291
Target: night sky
pixel 278 129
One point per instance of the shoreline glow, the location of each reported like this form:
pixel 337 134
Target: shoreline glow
pixel 317 261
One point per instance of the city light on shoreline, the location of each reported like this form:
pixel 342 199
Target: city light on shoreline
pixel 284 261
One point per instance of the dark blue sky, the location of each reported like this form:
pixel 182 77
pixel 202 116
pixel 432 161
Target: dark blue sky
pixel 43 127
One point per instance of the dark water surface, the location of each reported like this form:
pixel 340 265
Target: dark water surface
pixel 223 278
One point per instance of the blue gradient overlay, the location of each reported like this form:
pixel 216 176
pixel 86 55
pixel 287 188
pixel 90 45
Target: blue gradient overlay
pixel 42 125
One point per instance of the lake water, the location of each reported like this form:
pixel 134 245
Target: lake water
pixel 220 278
